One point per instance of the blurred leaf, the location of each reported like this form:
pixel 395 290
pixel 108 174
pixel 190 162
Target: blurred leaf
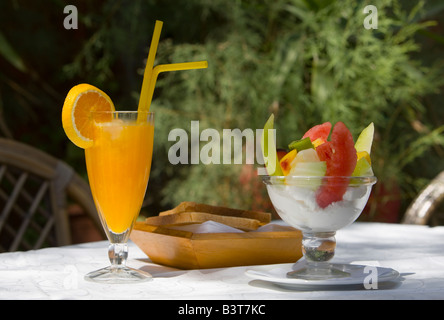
pixel 430 8
pixel 322 84
pixel 317 5
pixel 422 144
pixel 8 52
pixel 432 35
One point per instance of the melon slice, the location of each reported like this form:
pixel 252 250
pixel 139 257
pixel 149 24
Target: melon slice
pixel 365 139
pixel 320 131
pixel 269 149
pixel 363 168
pixel 341 162
pixel 309 169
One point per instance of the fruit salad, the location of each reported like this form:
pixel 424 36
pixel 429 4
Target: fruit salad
pixel 325 150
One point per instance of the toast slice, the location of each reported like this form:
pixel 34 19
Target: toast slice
pixel 183 218
pixel 188 206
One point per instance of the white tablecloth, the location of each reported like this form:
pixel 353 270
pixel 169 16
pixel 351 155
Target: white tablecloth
pixel 416 252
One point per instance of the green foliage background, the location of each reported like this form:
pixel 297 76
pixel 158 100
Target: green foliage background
pixel 306 61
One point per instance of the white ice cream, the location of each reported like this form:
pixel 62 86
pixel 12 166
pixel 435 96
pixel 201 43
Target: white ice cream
pixel 297 206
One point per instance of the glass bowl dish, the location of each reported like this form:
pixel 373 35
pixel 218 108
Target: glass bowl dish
pixel 319 206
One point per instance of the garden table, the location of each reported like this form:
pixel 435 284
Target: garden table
pixel 416 252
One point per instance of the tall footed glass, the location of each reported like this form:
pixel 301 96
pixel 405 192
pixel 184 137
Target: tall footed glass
pixel 118 166
pixel 319 207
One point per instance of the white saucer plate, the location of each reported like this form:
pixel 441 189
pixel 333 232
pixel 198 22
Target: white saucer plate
pixel 359 275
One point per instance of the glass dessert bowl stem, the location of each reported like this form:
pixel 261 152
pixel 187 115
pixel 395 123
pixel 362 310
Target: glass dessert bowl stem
pixel 318 249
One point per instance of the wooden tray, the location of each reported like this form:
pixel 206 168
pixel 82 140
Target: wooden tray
pixel 187 250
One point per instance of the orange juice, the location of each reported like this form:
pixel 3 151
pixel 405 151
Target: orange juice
pixel 118 167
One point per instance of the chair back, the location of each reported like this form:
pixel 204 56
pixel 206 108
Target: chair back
pixel 422 207
pixel 35 189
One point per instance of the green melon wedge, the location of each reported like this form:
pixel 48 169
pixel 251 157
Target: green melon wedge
pixel 309 169
pixel 363 168
pixel 364 143
pixel 269 149
pixel 365 139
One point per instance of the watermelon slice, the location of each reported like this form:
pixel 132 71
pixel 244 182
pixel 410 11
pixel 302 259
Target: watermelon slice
pixel 320 131
pixel 325 151
pixel 340 157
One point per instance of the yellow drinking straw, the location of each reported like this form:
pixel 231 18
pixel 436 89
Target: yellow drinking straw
pixel 171 67
pixel 149 66
pixel 150 75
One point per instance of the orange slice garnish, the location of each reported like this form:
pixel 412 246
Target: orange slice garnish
pixel 77 121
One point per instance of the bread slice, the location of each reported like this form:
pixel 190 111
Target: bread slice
pixel 183 218
pixel 188 206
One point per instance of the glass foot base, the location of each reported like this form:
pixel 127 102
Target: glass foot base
pixel 313 273
pixel 118 275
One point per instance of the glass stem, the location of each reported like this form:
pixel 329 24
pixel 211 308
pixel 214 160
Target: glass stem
pixel 117 253
pixel 319 248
